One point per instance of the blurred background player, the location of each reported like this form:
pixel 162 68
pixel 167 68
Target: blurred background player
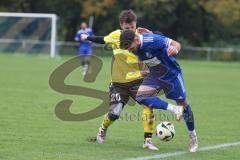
pixel 85 47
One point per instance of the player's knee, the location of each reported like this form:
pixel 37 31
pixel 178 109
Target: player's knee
pixel 115 111
pixel 141 98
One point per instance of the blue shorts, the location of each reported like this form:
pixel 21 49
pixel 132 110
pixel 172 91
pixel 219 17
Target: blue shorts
pixel 85 51
pixel 173 88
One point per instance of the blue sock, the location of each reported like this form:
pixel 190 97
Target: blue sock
pixel 188 117
pixel 152 101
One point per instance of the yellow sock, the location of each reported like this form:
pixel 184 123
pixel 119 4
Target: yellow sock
pixel 148 120
pixel 106 122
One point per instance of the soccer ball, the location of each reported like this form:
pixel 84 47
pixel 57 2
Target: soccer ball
pixel 165 131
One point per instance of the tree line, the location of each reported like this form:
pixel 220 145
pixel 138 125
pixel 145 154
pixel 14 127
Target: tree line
pixel 194 22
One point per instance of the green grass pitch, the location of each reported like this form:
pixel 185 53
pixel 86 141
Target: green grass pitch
pixel 30 130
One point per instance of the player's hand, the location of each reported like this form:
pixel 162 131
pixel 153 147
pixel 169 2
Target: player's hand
pixel 172 51
pixel 143 30
pixel 84 37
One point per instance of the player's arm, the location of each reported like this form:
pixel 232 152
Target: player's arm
pixel 95 39
pixel 161 42
pixel 111 39
pixel 172 46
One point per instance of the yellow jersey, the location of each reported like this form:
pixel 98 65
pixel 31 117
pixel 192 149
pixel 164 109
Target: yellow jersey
pixel 125 65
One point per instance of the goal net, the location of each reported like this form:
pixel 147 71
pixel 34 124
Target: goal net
pixel 28 33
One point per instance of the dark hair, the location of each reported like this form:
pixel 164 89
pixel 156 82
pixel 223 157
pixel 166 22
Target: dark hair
pixel 127 16
pixel 126 38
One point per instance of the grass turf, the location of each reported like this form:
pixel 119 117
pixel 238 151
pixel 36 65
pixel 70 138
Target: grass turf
pixel 29 128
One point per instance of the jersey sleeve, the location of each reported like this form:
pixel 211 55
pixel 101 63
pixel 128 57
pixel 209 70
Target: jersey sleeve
pixel 77 37
pixel 161 42
pixel 91 32
pixel 96 39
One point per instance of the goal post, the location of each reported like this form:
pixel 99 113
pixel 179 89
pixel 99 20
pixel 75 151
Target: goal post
pixel 30 37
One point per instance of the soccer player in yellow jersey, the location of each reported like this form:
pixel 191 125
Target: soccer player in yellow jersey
pixel 127 74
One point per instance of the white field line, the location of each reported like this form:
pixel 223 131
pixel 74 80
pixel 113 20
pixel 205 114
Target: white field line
pixel 178 153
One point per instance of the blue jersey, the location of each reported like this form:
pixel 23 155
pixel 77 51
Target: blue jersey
pixel 84 44
pixel 153 51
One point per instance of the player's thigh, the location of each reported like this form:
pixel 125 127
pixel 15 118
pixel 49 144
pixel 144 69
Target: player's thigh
pixel 88 57
pixel 178 92
pixel 146 90
pixel 149 86
pixel 133 87
pixel 85 57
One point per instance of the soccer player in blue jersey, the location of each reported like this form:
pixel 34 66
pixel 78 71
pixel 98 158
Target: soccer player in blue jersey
pixel 85 47
pixel 165 74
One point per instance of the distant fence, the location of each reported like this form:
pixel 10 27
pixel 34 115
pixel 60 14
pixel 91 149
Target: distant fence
pixel 70 48
pixel 188 52
pixel 210 53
